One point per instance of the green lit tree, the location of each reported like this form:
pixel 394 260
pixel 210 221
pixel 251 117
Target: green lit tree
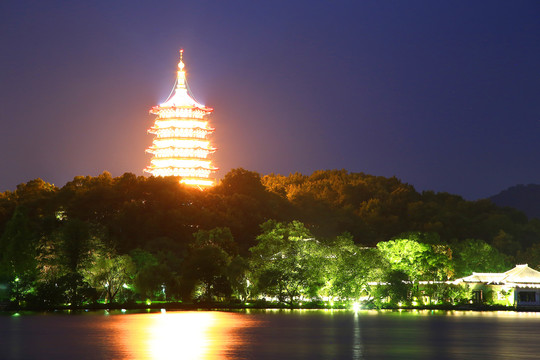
pixel 148 280
pixel 287 261
pixel 475 255
pixel 348 268
pixel 239 277
pixel 394 287
pixel 62 258
pixel 418 260
pixel 110 273
pixel 18 248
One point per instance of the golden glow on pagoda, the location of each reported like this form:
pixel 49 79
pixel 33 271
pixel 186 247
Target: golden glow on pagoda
pixel 180 146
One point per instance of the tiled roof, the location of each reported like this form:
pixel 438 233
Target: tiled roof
pixel 521 274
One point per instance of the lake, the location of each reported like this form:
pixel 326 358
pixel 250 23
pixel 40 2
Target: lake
pixel 271 334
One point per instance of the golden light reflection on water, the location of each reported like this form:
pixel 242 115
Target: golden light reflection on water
pixel 272 334
pixel 179 335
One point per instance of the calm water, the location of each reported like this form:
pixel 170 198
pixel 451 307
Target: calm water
pixel 272 335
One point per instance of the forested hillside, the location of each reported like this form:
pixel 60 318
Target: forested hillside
pixel 100 237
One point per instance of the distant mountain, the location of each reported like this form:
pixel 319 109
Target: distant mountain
pixel 525 198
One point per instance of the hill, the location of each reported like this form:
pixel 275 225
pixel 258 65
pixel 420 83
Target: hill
pixel 132 238
pixel 525 198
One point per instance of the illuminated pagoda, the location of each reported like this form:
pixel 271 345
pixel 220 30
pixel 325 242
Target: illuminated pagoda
pixel 181 146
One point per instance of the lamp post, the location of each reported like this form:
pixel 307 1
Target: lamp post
pixel 17 296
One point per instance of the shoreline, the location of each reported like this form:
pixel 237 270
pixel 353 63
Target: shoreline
pixel 176 306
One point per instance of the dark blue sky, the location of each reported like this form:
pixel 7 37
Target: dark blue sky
pixel 442 94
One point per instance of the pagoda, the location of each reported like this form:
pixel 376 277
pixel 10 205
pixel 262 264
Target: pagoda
pixel 181 146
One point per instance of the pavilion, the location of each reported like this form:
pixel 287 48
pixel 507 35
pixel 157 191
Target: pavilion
pixel 518 287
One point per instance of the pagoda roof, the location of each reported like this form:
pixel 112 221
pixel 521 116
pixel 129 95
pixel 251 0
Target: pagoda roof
pixel 181 98
pixel 181 95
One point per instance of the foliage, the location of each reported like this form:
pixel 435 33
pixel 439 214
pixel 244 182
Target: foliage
pixel 417 260
pixel 327 235
pixel 286 261
pixel 395 287
pixel 18 246
pixel 348 268
pixel 239 275
pixel 109 273
pixel 473 255
pixel 206 268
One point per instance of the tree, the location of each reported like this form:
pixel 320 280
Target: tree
pixel 342 264
pixel 35 196
pixel 207 267
pixel 18 246
pixel 61 257
pixel 241 202
pixel 241 181
pixel 239 278
pixel 148 281
pixel 395 287
pixel 287 261
pixel 347 268
pixel 218 237
pixel 475 255
pixel 419 260
pixel 531 256
pixel 506 244
pixel 75 244
pixel 109 273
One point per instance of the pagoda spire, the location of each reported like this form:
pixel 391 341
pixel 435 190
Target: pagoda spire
pixel 181 96
pixel 181 145
pixel 181 74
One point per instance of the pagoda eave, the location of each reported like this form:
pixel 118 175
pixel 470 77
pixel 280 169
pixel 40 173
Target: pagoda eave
pixel 157 109
pixel 198 128
pixel 181 158
pixel 156 148
pixel 210 148
pixel 154 167
pixel 182 138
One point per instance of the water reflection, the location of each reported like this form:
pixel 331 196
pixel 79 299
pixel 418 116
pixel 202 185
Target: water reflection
pixel 178 335
pixel 357 338
pixel 277 334
pixel 185 334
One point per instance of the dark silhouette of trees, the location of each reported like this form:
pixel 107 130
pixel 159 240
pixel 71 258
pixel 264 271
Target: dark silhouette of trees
pixel 168 241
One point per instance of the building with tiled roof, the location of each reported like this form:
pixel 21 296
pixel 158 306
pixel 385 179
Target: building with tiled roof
pixel 519 286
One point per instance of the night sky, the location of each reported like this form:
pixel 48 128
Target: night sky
pixel 442 94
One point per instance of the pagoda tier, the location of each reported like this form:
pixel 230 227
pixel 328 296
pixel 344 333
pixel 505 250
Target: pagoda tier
pixel 182 143
pixel 172 152
pixel 181 146
pixel 180 132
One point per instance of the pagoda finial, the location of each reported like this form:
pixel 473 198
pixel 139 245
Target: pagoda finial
pixel 181 79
